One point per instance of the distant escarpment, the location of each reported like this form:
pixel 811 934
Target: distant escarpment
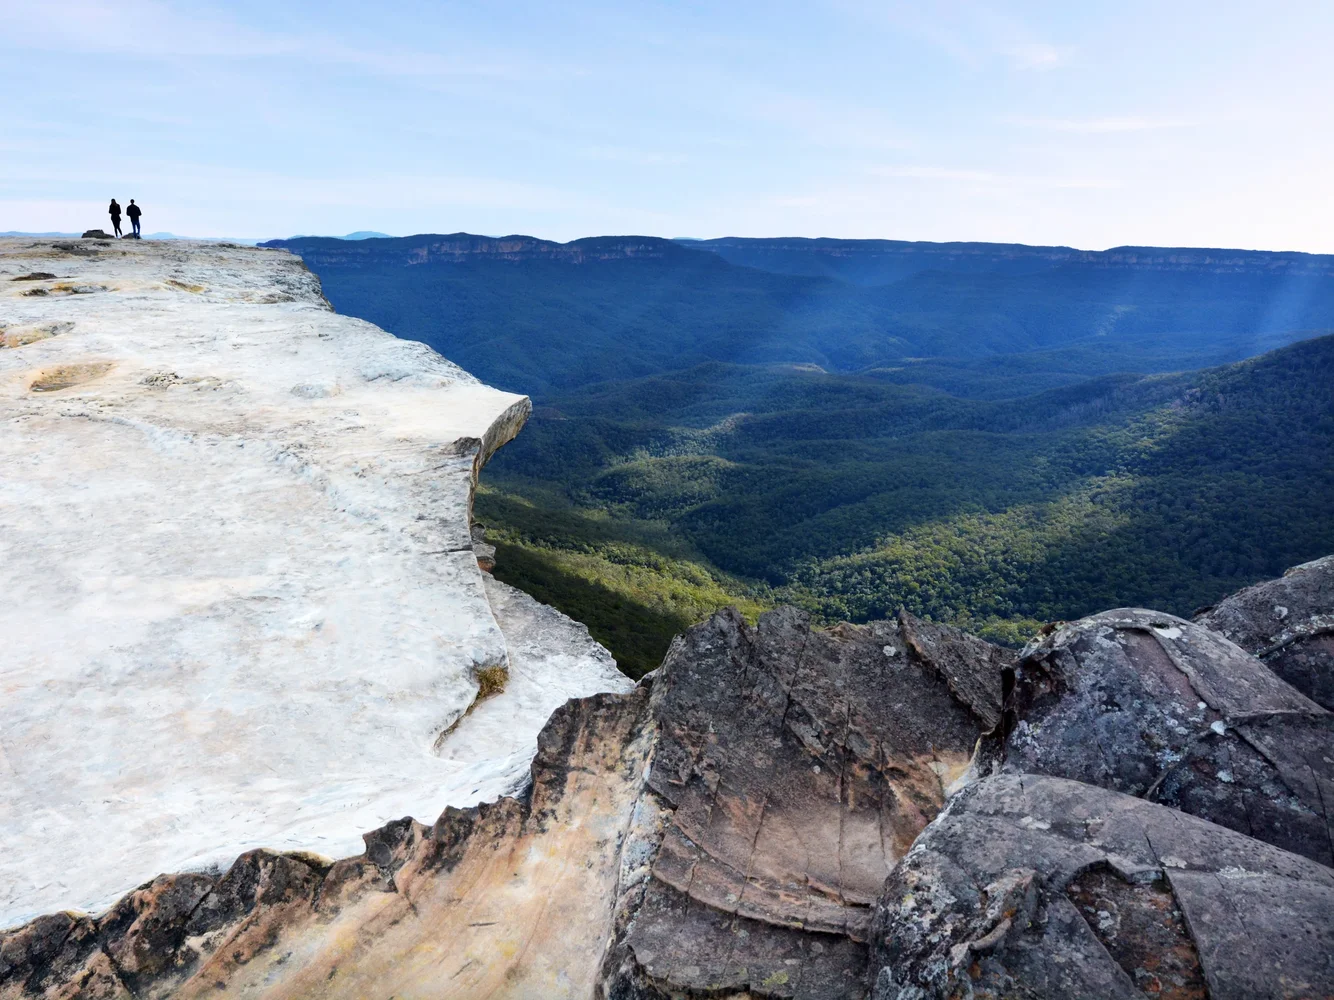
pixel 872 262
pixel 461 247
pixel 1131 807
pixel 863 262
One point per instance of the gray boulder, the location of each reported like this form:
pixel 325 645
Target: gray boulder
pixel 1143 703
pixel 1289 624
pixel 1047 889
pixel 793 768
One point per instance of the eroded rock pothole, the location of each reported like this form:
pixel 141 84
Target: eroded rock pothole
pixel 68 376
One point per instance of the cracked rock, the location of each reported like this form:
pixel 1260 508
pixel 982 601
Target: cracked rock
pixel 1050 889
pixel 794 766
pixel 1140 702
pixel 1289 624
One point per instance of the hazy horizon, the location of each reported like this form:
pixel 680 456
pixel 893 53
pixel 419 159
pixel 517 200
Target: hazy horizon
pixel 1037 123
pixel 527 235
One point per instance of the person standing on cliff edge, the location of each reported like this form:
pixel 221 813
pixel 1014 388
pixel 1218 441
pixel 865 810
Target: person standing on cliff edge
pixel 134 213
pixel 115 215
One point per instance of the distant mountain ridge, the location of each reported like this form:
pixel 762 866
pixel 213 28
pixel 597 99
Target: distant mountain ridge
pixel 875 262
pixel 862 425
pixel 509 310
pixel 459 247
pixel 860 262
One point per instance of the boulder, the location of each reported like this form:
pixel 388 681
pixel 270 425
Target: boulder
pixel 1049 889
pixel 1144 703
pixel 1289 624
pixel 96 234
pixel 793 768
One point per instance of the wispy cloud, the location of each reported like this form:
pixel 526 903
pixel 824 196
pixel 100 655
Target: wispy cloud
pixel 935 173
pixel 991 180
pixel 829 124
pixel 970 33
pixel 1037 55
pixel 154 29
pixel 1094 126
pixel 633 157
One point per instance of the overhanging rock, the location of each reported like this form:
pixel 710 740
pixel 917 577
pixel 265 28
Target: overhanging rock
pixel 242 604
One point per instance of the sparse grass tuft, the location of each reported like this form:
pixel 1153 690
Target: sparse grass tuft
pixel 491 680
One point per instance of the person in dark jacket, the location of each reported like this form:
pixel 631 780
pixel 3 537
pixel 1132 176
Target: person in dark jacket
pixel 115 215
pixel 134 213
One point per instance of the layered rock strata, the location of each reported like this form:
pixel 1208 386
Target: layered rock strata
pixel 793 768
pixel 244 608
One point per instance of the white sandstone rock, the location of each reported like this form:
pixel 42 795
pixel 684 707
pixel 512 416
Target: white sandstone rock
pixel 241 605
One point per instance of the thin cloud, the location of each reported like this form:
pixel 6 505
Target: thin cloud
pixel 972 34
pixel 164 32
pixel 1037 56
pixel 1098 126
pixel 935 173
pixel 830 124
pixel 634 157
pixel 991 179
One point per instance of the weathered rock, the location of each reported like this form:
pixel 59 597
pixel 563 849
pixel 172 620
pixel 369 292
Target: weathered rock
pixel 793 767
pixel 1140 702
pixel 972 667
pixel 96 234
pixel 244 604
pixel 790 769
pixel 485 553
pixel 1039 887
pixel 1289 624
pixel 508 899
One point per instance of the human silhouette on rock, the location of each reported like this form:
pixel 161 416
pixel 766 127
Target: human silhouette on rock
pixel 134 213
pixel 115 215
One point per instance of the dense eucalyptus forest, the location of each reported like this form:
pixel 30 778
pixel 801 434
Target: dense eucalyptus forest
pixel 988 435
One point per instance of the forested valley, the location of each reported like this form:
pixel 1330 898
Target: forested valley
pixel 990 436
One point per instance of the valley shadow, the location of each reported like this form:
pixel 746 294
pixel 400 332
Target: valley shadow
pixel 636 634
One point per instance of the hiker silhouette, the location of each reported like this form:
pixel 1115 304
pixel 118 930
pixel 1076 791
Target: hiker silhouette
pixel 115 215
pixel 134 213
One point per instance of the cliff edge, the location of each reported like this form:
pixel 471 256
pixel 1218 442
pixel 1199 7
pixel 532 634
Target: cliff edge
pixel 243 606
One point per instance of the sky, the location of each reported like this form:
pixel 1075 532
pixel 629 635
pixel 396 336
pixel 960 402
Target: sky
pixel 1095 124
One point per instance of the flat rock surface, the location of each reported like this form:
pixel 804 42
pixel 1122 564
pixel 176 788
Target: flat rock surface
pixel 243 607
pixel 505 899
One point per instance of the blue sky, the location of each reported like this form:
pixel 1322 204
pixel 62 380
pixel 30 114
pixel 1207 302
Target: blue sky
pixel 1093 124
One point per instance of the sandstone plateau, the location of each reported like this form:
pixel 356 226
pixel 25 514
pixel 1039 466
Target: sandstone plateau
pixel 252 618
pixel 243 607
